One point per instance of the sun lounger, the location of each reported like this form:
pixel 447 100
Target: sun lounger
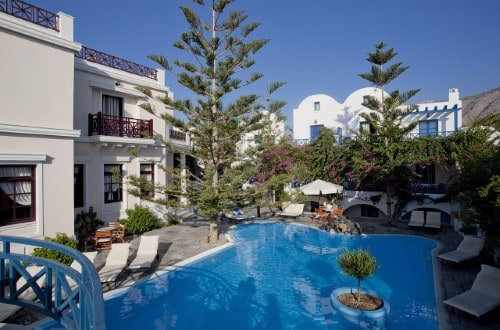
pixel 433 220
pixel 116 261
pixel 146 253
pixel 416 219
pixel 292 210
pixel 484 295
pixel 7 310
pixel 238 215
pixel 469 248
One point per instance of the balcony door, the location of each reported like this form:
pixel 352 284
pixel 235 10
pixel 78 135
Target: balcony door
pixel 112 106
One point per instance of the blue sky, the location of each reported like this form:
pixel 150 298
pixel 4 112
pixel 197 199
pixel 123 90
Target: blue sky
pixel 317 46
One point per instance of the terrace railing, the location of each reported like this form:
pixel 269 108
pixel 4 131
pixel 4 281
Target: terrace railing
pixel 98 57
pixel 430 188
pixel 101 124
pixel 80 306
pixel 177 135
pixel 30 13
pixel 432 134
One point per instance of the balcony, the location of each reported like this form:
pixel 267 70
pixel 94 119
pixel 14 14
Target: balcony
pixel 30 13
pixel 114 62
pixel 177 135
pixel 100 124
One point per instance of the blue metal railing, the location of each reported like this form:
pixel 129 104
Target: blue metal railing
pixel 79 306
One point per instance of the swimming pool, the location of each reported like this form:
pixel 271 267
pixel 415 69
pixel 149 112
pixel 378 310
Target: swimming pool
pixel 280 276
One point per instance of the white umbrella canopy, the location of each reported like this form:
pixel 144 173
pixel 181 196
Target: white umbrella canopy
pixel 320 187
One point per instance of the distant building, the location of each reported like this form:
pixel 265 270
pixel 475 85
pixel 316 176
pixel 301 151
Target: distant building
pixel 317 111
pixel 435 118
pixel 275 129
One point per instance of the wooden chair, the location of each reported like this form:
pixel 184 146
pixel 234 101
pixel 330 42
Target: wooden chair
pixel 103 240
pixel 337 211
pixel 119 233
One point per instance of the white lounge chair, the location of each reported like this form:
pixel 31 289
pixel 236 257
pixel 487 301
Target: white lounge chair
pixel 433 220
pixel 292 210
pixel 146 253
pixel 116 261
pixel 484 295
pixel 7 310
pixel 238 215
pixel 469 248
pixel 416 219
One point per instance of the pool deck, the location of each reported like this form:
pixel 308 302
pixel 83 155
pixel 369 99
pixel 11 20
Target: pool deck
pixel 189 239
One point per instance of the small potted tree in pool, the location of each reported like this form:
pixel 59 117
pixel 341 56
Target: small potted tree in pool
pixel 360 264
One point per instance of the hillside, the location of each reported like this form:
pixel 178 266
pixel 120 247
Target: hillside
pixel 480 105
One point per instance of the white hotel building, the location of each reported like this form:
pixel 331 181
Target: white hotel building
pixel 70 116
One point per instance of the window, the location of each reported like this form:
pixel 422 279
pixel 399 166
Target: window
pixel 428 128
pixel 316 106
pixel 78 185
pixel 147 172
pixel 112 106
pixel 426 174
pixel 369 211
pixel 17 194
pixel 112 183
pixel 365 127
pixel 258 139
pixel 315 131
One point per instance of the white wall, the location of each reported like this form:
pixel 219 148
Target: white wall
pixel 36 118
pixel 331 114
pixel 91 82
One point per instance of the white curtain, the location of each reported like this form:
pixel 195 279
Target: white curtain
pixel 76 170
pixel 147 172
pixel 22 189
pixel 109 186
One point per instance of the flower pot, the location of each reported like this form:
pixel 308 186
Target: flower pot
pixel 375 318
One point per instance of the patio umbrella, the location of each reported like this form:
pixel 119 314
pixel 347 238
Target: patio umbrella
pixel 320 187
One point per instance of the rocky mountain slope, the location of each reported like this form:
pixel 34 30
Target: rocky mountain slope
pixel 480 105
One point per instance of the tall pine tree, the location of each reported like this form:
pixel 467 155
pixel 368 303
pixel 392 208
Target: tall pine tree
pixel 222 54
pixel 382 151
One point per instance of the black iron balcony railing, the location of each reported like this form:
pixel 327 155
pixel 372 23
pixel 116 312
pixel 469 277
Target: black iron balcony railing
pixel 100 124
pixel 430 188
pixel 177 135
pixel 114 62
pixel 30 13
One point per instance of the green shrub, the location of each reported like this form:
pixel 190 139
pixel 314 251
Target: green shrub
pixel 140 220
pixel 55 255
pixel 86 223
pixel 171 220
pixel 358 263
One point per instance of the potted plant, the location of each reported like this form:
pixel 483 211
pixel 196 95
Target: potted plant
pixel 364 306
pixel 359 264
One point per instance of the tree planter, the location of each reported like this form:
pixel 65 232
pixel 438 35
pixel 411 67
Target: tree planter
pixel 375 318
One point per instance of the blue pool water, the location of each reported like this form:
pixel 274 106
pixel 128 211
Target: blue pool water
pixel 280 276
